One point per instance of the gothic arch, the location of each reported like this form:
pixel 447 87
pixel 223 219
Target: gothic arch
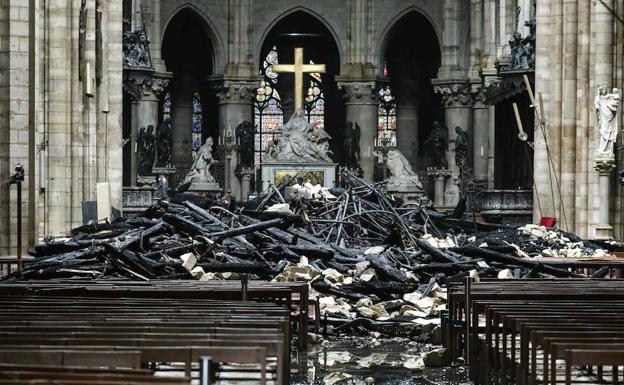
pixel 267 30
pixel 211 30
pixel 386 34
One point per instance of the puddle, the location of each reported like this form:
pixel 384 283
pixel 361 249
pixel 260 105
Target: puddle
pixel 366 360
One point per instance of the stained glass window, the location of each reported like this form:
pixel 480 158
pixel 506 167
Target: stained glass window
pixel 268 115
pixel 315 101
pixel 386 125
pixel 166 112
pixel 196 140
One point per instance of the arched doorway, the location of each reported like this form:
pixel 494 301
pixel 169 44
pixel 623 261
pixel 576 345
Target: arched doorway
pixel 407 103
pixel 274 102
pixel 188 103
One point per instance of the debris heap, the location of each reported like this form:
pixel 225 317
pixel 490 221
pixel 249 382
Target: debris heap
pixel 369 258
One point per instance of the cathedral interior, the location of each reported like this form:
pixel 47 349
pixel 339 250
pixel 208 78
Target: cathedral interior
pixel 359 163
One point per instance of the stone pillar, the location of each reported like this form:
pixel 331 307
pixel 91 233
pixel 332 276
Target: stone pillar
pixel 145 114
pixel 407 121
pixel 154 33
pixel 481 126
pixel 235 98
pixel 604 165
pixel 245 175
pixel 458 102
pixel 361 107
pixel 439 176
pixel 491 153
pixel 182 120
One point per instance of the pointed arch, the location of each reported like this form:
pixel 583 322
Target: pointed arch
pixel 211 30
pixel 386 34
pixel 269 27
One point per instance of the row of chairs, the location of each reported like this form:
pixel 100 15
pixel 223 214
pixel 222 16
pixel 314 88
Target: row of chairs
pixel 537 331
pixel 129 336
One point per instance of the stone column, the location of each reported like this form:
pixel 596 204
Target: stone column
pixel 361 105
pixel 407 121
pixel 245 175
pixel 235 97
pixel 458 102
pixel 182 120
pixel 439 176
pixel 604 165
pixel 481 126
pixel 146 114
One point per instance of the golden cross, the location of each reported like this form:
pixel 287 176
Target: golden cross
pixel 299 69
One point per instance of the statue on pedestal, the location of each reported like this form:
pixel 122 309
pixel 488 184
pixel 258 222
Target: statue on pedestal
pixel 301 142
pixel 436 145
pixel 200 170
pixel 352 146
pixel 245 134
pixel 461 147
pixel 606 118
pixel 403 176
pixel 163 146
pixel 146 144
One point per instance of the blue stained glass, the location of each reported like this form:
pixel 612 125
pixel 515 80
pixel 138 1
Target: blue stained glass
pixel 386 113
pixel 196 126
pixel 268 115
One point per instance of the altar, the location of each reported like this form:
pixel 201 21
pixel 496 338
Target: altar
pixel 275 172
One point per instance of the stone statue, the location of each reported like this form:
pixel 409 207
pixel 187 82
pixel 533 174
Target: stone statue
pixel 163 146
pixel 606 118
pixel 146 149
pixel 273 148
pixel 518 52
pixel 136 49
pixel 200 170
pixel 402 177
pixel 352 146
pixel 245 134
pixel 436 145
pixel 461 147
pixel 302 142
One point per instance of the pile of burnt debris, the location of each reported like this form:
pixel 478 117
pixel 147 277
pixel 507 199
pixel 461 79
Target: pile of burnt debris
pixel 366 255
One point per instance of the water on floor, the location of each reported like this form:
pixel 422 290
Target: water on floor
pixel 367 360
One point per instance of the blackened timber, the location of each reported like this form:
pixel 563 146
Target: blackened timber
pixel 183 224
pixel 385 270
pixel 489 255
pixel 246 229
pixel 236 267
pixel 344 292
pixel 435 252
pixel 442 267
pixel 277 233
pixel 205 214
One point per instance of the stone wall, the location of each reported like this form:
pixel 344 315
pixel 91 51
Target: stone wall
pixel 66 140
pixel 579 55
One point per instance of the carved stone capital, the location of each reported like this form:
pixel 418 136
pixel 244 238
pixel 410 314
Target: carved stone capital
pixel 455 94
pixel 479 95
pixel 235 91
pixel 604 162
pixel 359 92
pixel 159 85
